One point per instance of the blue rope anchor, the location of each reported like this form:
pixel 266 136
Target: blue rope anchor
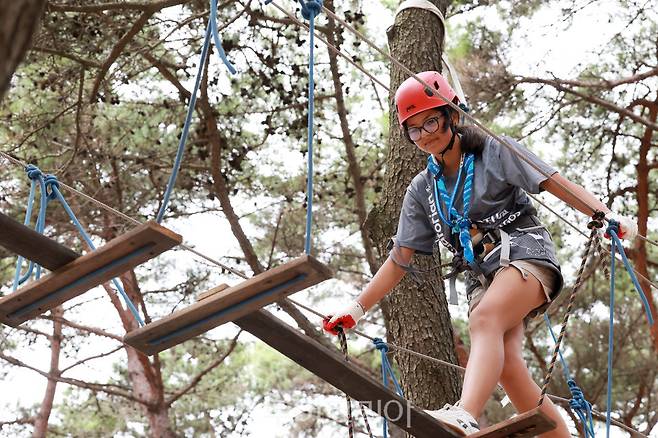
pixel 50 192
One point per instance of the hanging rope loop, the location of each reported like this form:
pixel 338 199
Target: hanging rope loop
pixel 52 186
pixel 311 9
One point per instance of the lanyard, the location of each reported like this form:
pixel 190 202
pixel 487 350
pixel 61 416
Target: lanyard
pixel 458 223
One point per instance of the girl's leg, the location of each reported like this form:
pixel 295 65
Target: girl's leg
pixel 507 301
pixel 521 388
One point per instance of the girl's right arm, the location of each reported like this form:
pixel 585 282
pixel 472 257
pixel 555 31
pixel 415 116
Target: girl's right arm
pixel 386 278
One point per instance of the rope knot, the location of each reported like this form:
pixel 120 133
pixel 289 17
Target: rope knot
pixel 597 220
pixel 33 172
pixel 380 345
pixel 51 184
pixel 577 397
pixel 311 8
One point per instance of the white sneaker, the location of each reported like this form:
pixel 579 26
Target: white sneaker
pixel 457 419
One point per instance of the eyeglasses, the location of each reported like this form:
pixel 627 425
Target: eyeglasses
pixel 430 126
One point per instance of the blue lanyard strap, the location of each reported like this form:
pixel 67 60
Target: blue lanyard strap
pixel 459 224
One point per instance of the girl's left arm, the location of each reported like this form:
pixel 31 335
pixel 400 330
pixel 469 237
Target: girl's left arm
pixel 584 201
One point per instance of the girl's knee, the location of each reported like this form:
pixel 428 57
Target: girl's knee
pixel 482 319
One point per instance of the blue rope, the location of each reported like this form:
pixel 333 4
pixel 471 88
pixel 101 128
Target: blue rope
pixel 387 371
pixel 459 223
pixel 35 175
pixel 578 403
pixel 186 126
pixel 582 408
pixel 211 32
pixel 612 230
pixel 310 9
pixel 50 192
pixel 28 218
pixel 565 367
pixel 53 186
pixel 215 36
pixel 616 247
pixel 611 330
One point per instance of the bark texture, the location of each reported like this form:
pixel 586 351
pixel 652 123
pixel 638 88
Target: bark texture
pixel 19 20
pixel 643 207
pixel 416 315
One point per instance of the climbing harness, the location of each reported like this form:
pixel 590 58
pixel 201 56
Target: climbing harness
pixel 459 224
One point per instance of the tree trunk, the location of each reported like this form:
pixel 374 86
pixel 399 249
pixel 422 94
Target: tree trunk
pixel 416 316
pixel 144 374
pixel 643 215
pixel 41 420
pixel 19 21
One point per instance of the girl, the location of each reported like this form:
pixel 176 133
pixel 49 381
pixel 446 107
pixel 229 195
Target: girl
pixel 472 198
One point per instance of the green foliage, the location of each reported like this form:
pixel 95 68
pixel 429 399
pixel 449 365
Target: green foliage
pixel 119 145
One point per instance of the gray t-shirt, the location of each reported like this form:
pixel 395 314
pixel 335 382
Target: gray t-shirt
pixel 500 182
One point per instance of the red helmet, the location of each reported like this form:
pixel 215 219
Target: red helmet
pixel 412 97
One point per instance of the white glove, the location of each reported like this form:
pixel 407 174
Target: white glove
pixel 346 317
pixel 627 226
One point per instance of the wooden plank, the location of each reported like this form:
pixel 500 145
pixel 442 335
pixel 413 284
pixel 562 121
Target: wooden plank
pixel 527 424
pixel 34 246
pixel 226 305
pixel 332 367
pixel 211 292
pixel 116 257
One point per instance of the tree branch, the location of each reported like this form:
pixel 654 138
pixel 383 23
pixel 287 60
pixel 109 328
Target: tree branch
pixel 555 83
pixel 136 6
pixel 187 388
pixel 75 382
pixel 118 48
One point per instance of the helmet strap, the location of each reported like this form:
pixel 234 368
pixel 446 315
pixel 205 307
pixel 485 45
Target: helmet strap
pixel 450 144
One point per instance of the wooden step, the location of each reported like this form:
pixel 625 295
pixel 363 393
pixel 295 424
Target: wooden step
pixel 92 269
pixel 359 385
pixel 527 424
pixel 219 307
pixel 33 246
pixel 332 367
pixel 210 292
